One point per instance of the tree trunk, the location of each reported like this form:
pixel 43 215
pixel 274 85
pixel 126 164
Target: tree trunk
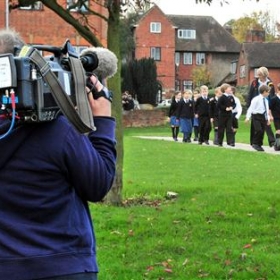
pixel 113 37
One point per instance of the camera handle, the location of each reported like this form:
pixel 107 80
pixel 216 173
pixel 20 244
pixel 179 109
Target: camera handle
pixel 61 97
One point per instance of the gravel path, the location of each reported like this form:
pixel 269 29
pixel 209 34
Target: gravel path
pixel 238 146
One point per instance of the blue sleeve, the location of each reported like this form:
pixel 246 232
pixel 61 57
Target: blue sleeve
pixel 91 159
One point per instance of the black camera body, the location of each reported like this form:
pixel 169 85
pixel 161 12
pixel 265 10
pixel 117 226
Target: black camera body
pixel 34 100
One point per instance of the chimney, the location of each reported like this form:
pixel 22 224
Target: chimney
pixel 255 36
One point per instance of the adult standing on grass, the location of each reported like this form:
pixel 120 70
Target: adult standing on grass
pixel 173 112
pixel 202 113
pixel 261 79
pixel 259 112
pixel 48 173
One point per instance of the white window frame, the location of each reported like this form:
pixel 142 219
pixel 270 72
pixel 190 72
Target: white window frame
pixel 177 85
pixel 177 58
pixel 187 84
pixel 78 8
pixel 243 71
pixel 156 53
pixel 200 58
pixel 187 58
pixel 186 34
pixel 155 27
pixel 37 6
pixel 233 67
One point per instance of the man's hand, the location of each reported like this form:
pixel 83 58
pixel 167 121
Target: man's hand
pixel 100 107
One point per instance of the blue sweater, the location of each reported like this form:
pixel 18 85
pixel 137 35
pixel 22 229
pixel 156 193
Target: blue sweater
pixel 48 173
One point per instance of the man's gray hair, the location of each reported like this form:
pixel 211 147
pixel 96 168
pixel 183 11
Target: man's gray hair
pixel 9 40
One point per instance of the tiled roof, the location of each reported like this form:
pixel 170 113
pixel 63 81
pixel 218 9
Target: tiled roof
pixel 262 54
pixel 210 35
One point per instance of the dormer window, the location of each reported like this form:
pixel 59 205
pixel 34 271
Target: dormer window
pixel 35 6
pixel 186 34
pixel 155 27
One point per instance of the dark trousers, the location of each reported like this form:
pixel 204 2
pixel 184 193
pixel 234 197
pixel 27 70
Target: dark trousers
pixel 258 125
pixel 276 124
pixel 204 129
pixel 225 125
pixel 268 131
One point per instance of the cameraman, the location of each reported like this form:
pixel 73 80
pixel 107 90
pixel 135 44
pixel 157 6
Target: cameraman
pixel 48 173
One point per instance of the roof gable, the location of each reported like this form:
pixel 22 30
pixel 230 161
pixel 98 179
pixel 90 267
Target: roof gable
pixel 262 53
pixel 210 35
pixel 154 9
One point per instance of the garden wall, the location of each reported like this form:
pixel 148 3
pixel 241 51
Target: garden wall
pixel 144 118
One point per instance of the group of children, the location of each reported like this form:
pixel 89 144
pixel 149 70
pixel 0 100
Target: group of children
pixel 197 113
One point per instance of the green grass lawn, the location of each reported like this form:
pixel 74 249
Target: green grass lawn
pixel 224 223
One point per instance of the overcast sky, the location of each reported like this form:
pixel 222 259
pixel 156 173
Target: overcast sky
pixel 234 10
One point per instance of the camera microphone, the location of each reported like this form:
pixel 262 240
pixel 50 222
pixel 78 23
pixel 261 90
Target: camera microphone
pixel 99 61
pixel 90 61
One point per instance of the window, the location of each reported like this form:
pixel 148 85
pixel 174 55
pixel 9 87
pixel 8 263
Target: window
pixel 78 6
pixel 187 58
pixel 177 85
pixel 242 71
pixel 186 34
pixel 233 67
pixel 155 53
pixel 187 85
pixel 155 27
pixel 200 58
pixel 35 6
pixel 177 58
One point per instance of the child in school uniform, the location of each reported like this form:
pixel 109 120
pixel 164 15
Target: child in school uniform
pixel 173 111
pixel 202 113
pixel 196 94
pixel 186 114
pixel 214 113
pixel 274 106
pixel 225 106
pixel 236 113
pixel 259 113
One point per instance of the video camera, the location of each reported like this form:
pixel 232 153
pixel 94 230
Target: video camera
pixel 34 100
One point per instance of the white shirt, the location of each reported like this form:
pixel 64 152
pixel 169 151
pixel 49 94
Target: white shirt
pixel 257 107
pixel 238 107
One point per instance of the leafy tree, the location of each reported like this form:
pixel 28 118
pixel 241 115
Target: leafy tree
pixel 241 26
pixel 256 21
pixel 200 76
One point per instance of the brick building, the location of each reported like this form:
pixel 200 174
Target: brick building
pixel 37 24
pixel 181 43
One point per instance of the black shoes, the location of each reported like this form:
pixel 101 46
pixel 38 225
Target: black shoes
pixel 258 148
pixel 272 144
